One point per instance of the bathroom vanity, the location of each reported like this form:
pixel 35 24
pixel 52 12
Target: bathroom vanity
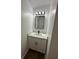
pixel 37 42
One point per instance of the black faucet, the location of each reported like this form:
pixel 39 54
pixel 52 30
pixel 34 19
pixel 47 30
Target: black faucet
pixel 38 31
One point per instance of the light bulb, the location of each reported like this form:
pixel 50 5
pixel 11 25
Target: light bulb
pixel 39 12
pixel 42 12
pixel 36 13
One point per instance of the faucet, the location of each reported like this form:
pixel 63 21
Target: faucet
pixel 38 31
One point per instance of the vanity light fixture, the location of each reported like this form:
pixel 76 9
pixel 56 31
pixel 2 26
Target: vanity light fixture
pixel 40 13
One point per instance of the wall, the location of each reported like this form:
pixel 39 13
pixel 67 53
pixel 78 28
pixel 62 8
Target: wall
pixel 53 52
pixel 26 24
pixel 51 19
pixel 49 30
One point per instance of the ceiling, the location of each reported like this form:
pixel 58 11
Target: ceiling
pixel 43 4
pixel 39 3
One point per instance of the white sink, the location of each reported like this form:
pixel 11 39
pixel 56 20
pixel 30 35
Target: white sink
pixel 40 35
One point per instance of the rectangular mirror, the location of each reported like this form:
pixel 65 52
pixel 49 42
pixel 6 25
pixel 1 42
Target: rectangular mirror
pixel 39 22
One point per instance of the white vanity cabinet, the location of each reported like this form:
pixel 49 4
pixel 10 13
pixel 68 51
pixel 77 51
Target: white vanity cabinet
pixel 37 44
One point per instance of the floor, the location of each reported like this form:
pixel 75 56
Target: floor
pixel 34 55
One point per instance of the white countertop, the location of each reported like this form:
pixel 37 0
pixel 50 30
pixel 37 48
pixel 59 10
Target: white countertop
pixel 40 35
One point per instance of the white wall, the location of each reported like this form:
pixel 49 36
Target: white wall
pixel 53 51
pixel 51 19
pixel 49 30
pixel 26 24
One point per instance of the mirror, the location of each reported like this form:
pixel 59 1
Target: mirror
pixel 39 22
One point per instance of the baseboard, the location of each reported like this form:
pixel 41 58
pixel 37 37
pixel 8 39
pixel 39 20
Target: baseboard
pixel 24 54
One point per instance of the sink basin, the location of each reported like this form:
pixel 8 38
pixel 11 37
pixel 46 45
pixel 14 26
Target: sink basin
pixel 40 34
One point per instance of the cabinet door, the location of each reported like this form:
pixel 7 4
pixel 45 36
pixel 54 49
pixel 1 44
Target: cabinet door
pixel 32 43
pixel 39 45
pixel 43 45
